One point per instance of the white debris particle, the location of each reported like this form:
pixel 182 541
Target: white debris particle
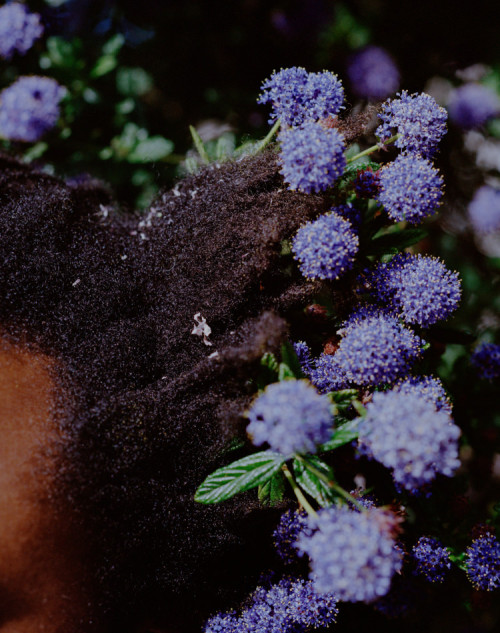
pixel 201 328
pixel 176 192
pixel 76 282
pixel 124 257
pixel 214 355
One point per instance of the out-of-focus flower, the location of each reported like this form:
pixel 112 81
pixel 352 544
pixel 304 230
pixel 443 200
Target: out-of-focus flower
pixel 472 104
pixel 19 29
pixel 484 210
pixel 373 73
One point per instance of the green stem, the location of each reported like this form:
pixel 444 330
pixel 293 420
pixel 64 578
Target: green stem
pixel 265 141
pixel 298 492
pixel 372 149
pixel 334 486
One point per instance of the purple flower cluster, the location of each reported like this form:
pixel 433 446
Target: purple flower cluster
pixel 419 289
pixel 486 360
pixel 483 563
pixel 291 525
pixel 351 554
pixel 304 355
pixel 472 105
pixel 429 388
pixel 376 350
pixel 410 189
pixel 406 433
pixel 312 157
pixel 291 606
pixel 367 183
pixel 18 29
pixel 326 247
pixel 298 96
pixel 484 210
pixel 419 120
pixel 373 73
pixel 431 558
pixel 29 108
pixel 327 375
pixel 349 212
pixel 291 416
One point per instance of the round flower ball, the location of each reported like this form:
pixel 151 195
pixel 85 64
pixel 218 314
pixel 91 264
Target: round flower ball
pixel 19 29
pixel 484 210
pixel 472 105
pixel 352 555
pixel 486 360
pixel 29 108
pixel 417 118
pixel 410 189
pixel 312 157
pixel 428 387
pixel 326 247
pixel 405 433
pixel 420 289
pixel 432 560
pixel 290 416
pixel 482 561
pixel 377 350
pixel 373 73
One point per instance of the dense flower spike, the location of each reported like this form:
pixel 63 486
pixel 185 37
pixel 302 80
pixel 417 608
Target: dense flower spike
pixel 420 289
pixel 327 374
pixel 429 387
pixel 410 189
pixel 312 157
pixel 431 558
pixel 291 525
pixel 29 108
pixel 472 105
pixel 351 555
pixel 373 73
pixel 326 247
pixel 367 183
pixel 484 210
pixel 419 120
pixel 291 417
pixel 406 433
pixel 486 360
pixel 304 355
pixel 377 350
pixel 483 563
pixel 18 29
pixel 298 96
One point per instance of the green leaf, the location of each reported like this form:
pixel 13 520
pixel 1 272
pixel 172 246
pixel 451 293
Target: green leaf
pixel 290 358
pixel 61 53
pixel 311 483
pixel 198 143
pixel 344 396
pixel 113 46
pixel 343 435
pixel 36 151
pixel 133 82
pixel 271 492
pixel 150 149
pixel 284 372
pixel 239 476
pixel 104 65
pixel 395 242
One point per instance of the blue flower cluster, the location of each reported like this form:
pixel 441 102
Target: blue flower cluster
pixel 410 189
pixel 312 157
pixel 291 606
pixel 407 434
pixel 428 387
pixel 486 360
pixel 419 120
pixel 19 29
pixel 472 104
pixel 304 355
pixel 351 554
pixel 327 374
pixel 291 525
pixel 376 350
pixel 373 73
pixel 420 289
pixel 29 108
pixel 298 96
pixel 484 210
pixel 367 183
pixel 290 416
pixel 483 563
pixel 326 247
pixel 431 558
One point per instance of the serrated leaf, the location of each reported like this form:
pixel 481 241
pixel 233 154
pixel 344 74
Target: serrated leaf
pixel 271 492
pixel 150 149
pixel 395 242
pixel 342 435
pixel 290 358
pixel 311 483
pixel 239 476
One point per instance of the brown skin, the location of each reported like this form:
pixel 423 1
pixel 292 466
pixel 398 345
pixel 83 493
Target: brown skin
pixel 42 586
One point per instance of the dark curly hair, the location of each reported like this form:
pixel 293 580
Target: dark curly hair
pixel 146 410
